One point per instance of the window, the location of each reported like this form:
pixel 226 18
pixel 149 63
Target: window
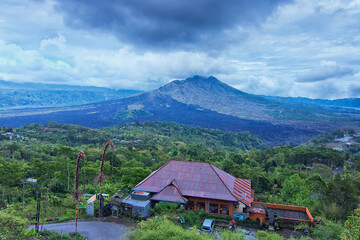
pixel 200 205
pixel 214 208
pixel 224 209
pixel 190 205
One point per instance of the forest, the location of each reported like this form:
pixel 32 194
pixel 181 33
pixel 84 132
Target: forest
pixel 313 175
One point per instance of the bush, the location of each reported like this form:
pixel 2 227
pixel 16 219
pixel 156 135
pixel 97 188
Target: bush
pixel 164 229
pixel 192 218
pixel 54 235
pixel 229 235
pixel 352 227
pixel 263 235
pixel 12 227
pixel 167 208
pixel 328 230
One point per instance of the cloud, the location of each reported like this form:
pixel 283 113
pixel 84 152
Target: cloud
pixel 258 46
pixel 57 42
pixel 323 73
pixel 124 69
pixel 167 24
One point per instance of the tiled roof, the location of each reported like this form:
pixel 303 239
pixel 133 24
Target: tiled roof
pixel 198 179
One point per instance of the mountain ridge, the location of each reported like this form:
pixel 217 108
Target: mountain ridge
pixel 203 102
pixel 20 95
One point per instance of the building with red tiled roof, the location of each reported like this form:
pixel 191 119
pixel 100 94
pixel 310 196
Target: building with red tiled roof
pixel 198 185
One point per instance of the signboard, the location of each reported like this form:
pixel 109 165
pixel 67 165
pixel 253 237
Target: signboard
pixel 90 209
pixel 240 217
pixel 81 206
pixel 92 199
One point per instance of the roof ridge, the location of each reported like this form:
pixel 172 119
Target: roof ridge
pixel 178 190
pixel 170 183
pixel 185 200
pixel 152 174
pixel 222 180
pixel 176 186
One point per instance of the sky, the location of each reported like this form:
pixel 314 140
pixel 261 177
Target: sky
pixel 299 48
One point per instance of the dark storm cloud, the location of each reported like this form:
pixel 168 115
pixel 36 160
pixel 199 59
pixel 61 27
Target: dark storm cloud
pixel 324 73
pixel 167 23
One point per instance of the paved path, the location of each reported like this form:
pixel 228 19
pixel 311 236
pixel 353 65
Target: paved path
pixel 92 230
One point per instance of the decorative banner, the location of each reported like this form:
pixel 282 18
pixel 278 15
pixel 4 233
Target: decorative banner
pixel 92 199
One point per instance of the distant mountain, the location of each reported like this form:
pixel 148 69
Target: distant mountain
pixel 344 102
pixel 210 93
pixel 204 102
pixel 20 95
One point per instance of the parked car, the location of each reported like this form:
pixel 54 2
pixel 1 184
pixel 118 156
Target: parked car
pixel 208 226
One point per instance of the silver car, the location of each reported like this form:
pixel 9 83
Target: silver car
pixel 208 226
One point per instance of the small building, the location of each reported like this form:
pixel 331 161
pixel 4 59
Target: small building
pixel 280 213
pixel 137 203
pixel 197 185
pixel 115 202
pixel 257 214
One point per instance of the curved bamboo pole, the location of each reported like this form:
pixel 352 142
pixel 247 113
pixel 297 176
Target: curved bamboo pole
pixel 101 171
pixel 76 191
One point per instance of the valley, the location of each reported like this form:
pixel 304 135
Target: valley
pixel 203 102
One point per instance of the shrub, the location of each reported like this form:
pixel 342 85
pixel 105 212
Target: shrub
pixel 352 227
pixel 229 235
pixel 167 208
pixel 328 230
pixel 164 229
pixel 192 218
pixel 54 235
pixel 12 227
pixel 263 235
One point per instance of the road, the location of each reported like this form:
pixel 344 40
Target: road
pixel 92 230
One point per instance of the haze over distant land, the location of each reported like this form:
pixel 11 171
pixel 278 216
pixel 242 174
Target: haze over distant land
pixel 276 48
pixel 30 95
pixel 206 102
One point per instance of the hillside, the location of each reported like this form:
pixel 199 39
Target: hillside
pixel 343 140
pixel 200 102
pixel 142 134
pixel 210 93
pixel 344 102
pixel 20 95
pixel 155 107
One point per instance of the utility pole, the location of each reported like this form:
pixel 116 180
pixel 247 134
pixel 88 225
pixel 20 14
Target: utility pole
pixel 23 185
pixel 38 212
pixel 29 180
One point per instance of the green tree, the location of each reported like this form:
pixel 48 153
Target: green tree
pixel 351 229
pixel 12 227
pixel 342 191
pixel 295 191
pixel 132 176
pixel 324 171
pixel 328 230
